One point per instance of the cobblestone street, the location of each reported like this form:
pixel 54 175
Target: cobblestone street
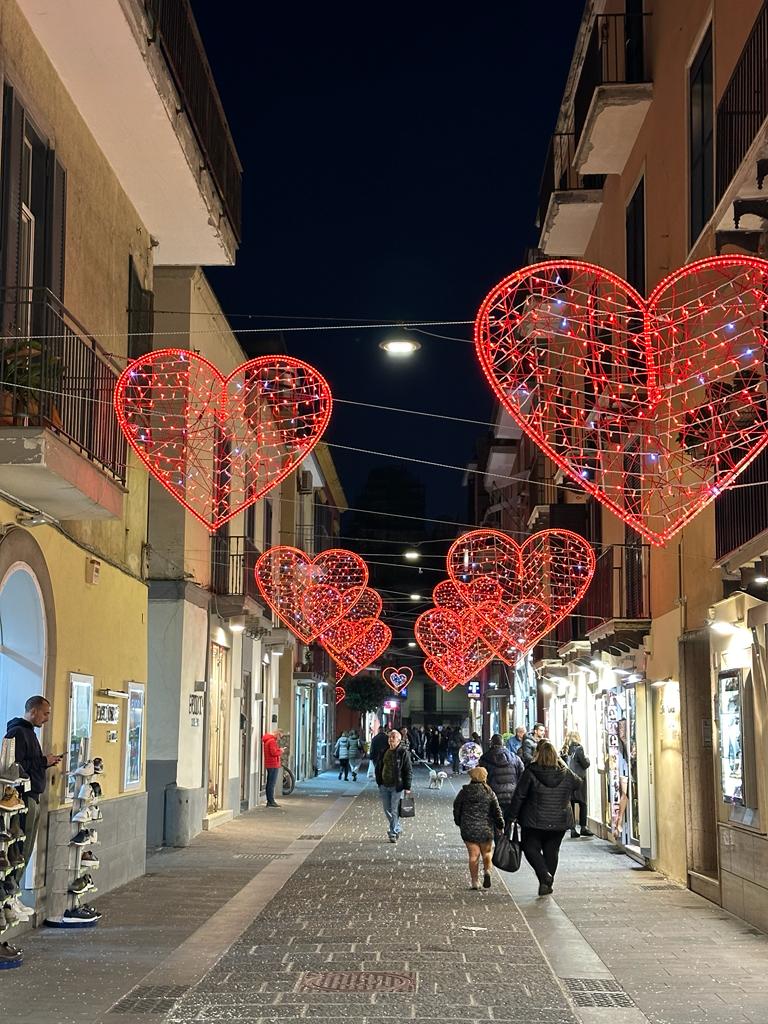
pixel 326 919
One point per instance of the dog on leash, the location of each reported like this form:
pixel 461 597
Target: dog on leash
pixel 436 779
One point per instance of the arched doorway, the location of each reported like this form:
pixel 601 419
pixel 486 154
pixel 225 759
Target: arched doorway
pixel 22 641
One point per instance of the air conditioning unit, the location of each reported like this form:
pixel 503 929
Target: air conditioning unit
pixel 305 482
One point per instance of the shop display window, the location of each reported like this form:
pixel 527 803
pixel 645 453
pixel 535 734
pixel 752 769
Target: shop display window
pixel 730 719
pixel 80 727
pixel 134 739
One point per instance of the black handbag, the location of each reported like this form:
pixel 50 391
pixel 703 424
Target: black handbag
pixel 507 851
pixel 407 807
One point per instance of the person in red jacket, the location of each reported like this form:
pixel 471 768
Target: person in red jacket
pixel 272 762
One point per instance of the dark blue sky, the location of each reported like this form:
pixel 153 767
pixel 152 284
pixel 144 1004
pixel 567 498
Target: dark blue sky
pixel 392 161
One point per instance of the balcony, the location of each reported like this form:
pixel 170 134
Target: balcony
pixel 741 518
pixel 569 203
pixel 617 606
pixel 613 94
pixel 139 77
pixel 61 449
pixel 233 583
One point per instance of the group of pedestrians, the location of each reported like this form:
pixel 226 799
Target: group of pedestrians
pixel 438 745
pixel 532 785
pixel 349 752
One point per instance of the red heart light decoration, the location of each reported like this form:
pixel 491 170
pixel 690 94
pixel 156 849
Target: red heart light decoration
pixel 219 443
pixel 363 651
pixel 339 673
pixel 340 694
pixel 541 580
pixel 654 406
pixel 438 675
pixel 452 640
pixel 309 595
pixel 397 679
pixel 484 596
pixel 357 620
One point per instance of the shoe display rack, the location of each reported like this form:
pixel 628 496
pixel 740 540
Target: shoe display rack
pixel 82 845
pixel 13 783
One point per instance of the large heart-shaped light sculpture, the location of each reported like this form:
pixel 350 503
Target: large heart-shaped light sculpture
pixel 397 679
pixel 310 595
pixel 365 649
pixel 653 406
pixel 219 443
pixel 346 630
pixel 452 640
pixel 540 581
pixel 438 674
pixel 483 595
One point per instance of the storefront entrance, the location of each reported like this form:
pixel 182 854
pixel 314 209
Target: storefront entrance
pixel 622 806
pixel 303 732
pixel 218 714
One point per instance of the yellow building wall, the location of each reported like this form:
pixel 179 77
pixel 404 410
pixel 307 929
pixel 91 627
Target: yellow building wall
pixel 101 630
pixel 102 230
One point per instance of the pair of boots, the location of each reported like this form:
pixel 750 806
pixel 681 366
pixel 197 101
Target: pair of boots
pixel 584 832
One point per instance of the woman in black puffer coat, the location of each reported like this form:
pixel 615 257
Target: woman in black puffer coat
pixel 504 770
pixel 477 813
pixel 542 805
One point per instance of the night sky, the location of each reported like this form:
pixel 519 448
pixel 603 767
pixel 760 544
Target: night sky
pixel 391 171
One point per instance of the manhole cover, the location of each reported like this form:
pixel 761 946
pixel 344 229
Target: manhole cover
pixel 661 888
pixel 357 981
pixel 604 992
pixel 310 837
pixel 260 856
pixel 150 999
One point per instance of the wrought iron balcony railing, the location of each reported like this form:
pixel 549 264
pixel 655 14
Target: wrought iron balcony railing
pixel 233 560
pixel 54 374
pixel 177 34
pixel 743 106
pixel 620 587
pixel 615 55
pixel 559 173
pixel 741 513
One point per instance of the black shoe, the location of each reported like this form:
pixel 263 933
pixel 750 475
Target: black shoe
pixel 17 832
pixel 11 886
pixel 15 858
pixel 80 915
pixel 486 881
pixel 545 888
pixel 82 838
pixel 273 804
pixel 586 832
pixel 574 834
pixel 4 862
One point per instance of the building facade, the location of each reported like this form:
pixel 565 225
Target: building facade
pixel 658 158
pixel 88 213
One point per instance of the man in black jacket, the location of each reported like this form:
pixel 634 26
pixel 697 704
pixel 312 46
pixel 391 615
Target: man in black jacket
pixel 29 755
pixel 394 776
pixel 379 745
pixel 531 742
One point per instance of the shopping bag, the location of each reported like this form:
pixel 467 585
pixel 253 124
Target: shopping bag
pixel 407 807
pixel 507 852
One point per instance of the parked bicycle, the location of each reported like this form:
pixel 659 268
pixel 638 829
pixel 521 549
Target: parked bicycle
pixel 289 779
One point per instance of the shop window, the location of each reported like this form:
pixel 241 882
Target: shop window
pixel 80 727
pixel 134 740
pixel 736 755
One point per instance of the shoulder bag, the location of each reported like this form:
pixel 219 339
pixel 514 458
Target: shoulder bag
pixel 507 851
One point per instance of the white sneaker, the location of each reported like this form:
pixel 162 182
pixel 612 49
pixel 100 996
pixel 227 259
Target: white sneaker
pixel 95 813
pixel 21 909
pixel 85 792
pixel 85 770
pixel 84 815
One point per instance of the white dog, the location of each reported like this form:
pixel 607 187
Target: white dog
pixel 436 779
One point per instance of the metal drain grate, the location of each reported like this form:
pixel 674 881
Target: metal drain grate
pixel 597 992
pixel 150 999
pixel 664 887
pixel 310 837
pixel 260 856
pixel 357 981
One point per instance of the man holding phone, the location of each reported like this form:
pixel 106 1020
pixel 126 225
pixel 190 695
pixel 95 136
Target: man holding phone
pixel 30 756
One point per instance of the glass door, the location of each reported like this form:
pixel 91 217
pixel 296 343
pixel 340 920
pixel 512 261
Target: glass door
pixel 620 752
pixel 218 703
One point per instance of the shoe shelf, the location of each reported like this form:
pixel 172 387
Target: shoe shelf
pixel 83 858
pixel 13 784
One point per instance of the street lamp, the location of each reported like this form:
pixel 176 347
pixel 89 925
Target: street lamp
pixel 415 597
pixel 411 555
pixel 400 347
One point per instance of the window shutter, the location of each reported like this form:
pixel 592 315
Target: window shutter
pixel 13 141
pixel 55 225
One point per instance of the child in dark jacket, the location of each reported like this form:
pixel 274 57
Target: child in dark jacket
pixel 477 813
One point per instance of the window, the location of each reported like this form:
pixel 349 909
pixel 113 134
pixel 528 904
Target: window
pixel 701 129
pixel 635 238
pixel 32 229
pixel 141 318
pixel 134 738
pixel 80 727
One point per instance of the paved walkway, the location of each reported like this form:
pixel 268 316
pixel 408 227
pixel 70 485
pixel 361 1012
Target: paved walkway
pixel 310 914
